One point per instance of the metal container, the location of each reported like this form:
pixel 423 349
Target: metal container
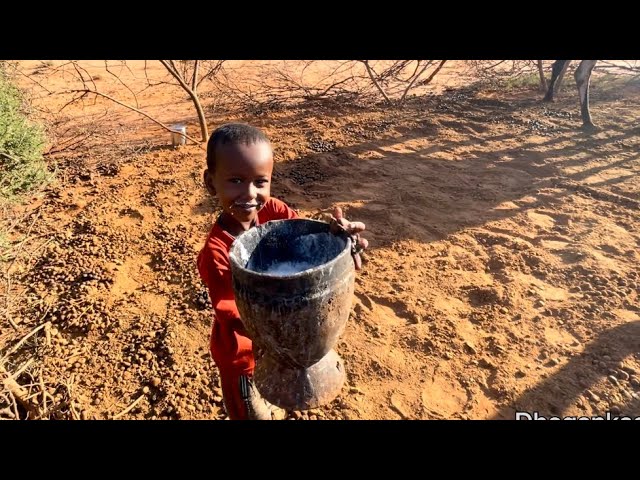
pixel 178 134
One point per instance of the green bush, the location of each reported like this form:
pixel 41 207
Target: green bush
pixel 21 144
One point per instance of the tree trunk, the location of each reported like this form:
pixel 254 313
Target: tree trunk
pixel 204 131
pixel 543 81
pixel 561 76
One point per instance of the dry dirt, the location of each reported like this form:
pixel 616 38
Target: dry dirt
pixel 502 272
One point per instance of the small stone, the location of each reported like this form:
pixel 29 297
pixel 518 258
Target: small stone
pixel 622 375
pixel 145 389
pixel 470 348
pixel 349 415
pixel 155 382
pixel 613 379
pixel 592 396
pixel 486 363
pixel 615 409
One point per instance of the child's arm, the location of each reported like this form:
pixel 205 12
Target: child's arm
pixel 216 274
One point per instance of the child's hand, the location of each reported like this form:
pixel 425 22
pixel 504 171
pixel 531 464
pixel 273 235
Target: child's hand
pixel 339 224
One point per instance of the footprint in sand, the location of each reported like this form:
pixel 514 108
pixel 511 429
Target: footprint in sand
pixel 441 398
pixel 541 220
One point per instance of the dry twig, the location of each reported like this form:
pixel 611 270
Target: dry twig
pixel 129 408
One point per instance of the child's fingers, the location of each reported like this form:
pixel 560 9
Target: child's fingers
pixel 351 228
pixel 363 243
pixel 338 226
pixel 354 227
pixel 357 260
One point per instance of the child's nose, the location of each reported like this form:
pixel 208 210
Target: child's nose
pixel 252 191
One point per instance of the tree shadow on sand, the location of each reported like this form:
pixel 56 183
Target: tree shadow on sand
pixel 446 173
pixel 569 385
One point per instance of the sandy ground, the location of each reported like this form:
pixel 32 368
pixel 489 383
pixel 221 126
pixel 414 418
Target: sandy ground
pixel 502 273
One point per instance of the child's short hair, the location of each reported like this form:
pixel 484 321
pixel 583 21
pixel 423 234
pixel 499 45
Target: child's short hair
pixel 233 133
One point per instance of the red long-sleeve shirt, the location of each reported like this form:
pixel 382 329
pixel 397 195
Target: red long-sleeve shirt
pixel 229 345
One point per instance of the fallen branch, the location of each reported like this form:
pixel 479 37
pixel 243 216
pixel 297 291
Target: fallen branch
pixel 7 412
pixel 8 273
pixel 16 413
pixel 21 342
pixel 45 394
pixel 19 393
pixel 129 408
pixel 9 157
pixel 68 385
pixel 47 333
pixel 26 365
pixel 11 322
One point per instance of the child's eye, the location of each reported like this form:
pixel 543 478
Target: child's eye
pixel 262 183
pixel 235 180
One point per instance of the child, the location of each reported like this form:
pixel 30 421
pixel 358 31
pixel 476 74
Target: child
pixel 239 167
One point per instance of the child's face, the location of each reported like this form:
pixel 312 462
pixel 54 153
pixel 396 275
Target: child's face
pixel 242 179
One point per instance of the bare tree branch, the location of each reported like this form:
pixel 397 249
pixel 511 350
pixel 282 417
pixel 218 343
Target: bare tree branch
pixel 416 76
pixel 171 68
pixel 106 66
pixel 212 69
pixel 194 78
pixel 169 129
pixel 372 75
